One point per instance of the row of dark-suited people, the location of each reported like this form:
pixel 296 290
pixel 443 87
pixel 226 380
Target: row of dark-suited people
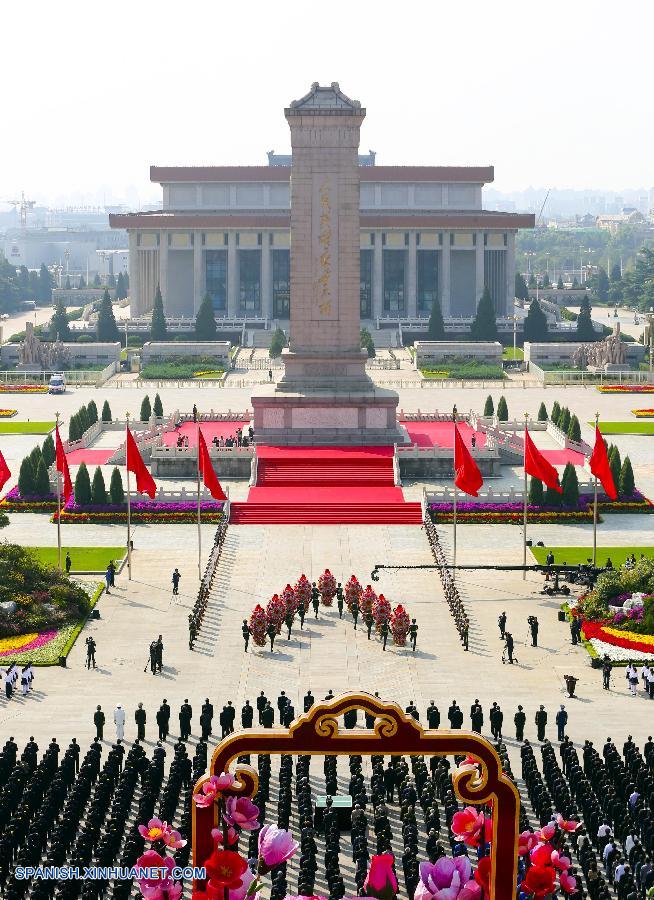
pixel 450 590
pixel 196 615
pixel 613 795
pixel 286 713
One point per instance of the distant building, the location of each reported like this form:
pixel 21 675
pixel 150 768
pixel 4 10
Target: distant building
pixel 613 223
pixel 77 249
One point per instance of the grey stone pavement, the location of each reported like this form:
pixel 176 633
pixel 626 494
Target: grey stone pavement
pixel 259 560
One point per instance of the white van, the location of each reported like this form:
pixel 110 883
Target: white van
pixel 57 383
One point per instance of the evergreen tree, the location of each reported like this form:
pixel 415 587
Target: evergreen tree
pixel 574 429
pixel 570 486
pixel 546 281
pixel 535 324
pixel 575 284
pixel 67 284
pixel 615 462
pixel 521 289
pixel 44 289
pixel 536 495
pixel 24 281
pixel 436 328
pixel 157 406
pixel 126 280
pixel 489 406
pixel 84 421
pixel 602 285
pixel 96 281
pixel 98 489
pixel 564 423
pixel 35 458
pixel 146 409
pixel 81 283
pixel 502 409
pixel 556 412
pixel 277 343
pixel 116 492
pixel 92 411
pixel 205 321
pixel 26 478
pixel 107 330
pixel 82 486
pixel 627 484
pixel 106 412
pixel 585 330
pixel 111 280
pixel 616 272
pixel 41 480
pixel 367 343
pixel 542 413
pixel 552 497
pixel 74 430
pixel 158 328
pixel 59 326
pixel 484 327
pixel 559 284
pixel 48 450
pixel 121 287
pixel 532 282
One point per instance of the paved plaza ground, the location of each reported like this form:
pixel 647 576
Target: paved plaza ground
pixel 328 653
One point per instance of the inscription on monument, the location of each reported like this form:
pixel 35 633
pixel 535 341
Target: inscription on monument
pixel 325 417
pixel 325 248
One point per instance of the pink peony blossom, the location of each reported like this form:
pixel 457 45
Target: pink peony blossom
pixel 526 842
pixel 470 826
pixel 568 882
pixel 541 855
pixel 444 879
pixel 381 881
pixel 275 846
pixel 218 836
pixel 158 888
pixel 547 832
pixel 570 826
pixel 560 862
pixel 213 786
pixel 242 813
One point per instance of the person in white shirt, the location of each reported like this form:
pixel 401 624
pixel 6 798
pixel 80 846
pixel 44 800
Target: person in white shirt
pixel 119 720
pixel 618 872
pixel 632 678
pixel 25 681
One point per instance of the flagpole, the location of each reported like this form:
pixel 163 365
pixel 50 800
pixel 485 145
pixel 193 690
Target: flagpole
pixel 58 505
pixel 454 504
pixel 595 506
pixel 524 524
pixel 129 507
pixel 199 502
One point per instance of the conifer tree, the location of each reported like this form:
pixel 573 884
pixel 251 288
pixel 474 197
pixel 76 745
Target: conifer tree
pixel 627 485
pixel 542 413
pixel 502 409
pixel 158 327
pixel 484 326
pixel 489 406
pixel 436 328
pixel 82 486
pixel 107 330
pixel 536 495
pixel 146 409
pixel 26 478
pixel 570 486
pixel 106 412
pixel 98 489
pixel 41 480
pixel 116 491
pixel 205 321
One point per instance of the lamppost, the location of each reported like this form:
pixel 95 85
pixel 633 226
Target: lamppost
pixel 650 321
pixel 515 328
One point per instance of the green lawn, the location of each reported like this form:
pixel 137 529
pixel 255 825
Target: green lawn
pixel 636 427
pixel 26 427
pixel 84 559
pixel 507 353
pixel 575 555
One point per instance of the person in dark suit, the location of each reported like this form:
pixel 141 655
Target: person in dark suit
pixel 519 719
pixel 262 702
pixel 541 722
pixel 206 718
pixel 247 714
pixel 185 716
pixel 433 715
pixel 98 721
pixel 140 718
pixel 268 716
pixel 309 700
pixel 476 716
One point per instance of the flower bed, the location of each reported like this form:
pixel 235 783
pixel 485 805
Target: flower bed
pixel 643 413
pixel 23 388
pixel 626 388
pixel 13 502
pixel 514 512
pixel 44 648
pixel 143 511
pixel 7 413
pixel 618 644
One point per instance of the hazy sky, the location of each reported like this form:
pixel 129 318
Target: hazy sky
pixel 555 94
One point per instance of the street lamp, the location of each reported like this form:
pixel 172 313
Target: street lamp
pixel 515 328
pixel 650 319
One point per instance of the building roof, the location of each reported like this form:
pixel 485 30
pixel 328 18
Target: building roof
pixel 443 219
pixel 175 174
pixel 321 100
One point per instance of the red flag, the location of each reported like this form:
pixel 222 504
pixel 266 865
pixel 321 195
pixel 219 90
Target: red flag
pixel 62 465
pixel 144 481
pixel 5 474
pixel 537 466
pixel 599 465
pixel 467 476
pixel 207 471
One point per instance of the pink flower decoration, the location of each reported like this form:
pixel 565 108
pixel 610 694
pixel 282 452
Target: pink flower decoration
pixel 158 888
pixel 560 862
pixel 570 826
pixel 213 786
pixel 541 855
pixel 547 832
pixel 242 813
pixel 232 836
pixel 443 879
pixel 275 846
pixel 469 826
pixel 568 882
pixel 381 881
pixel 526 842
pixel 470 891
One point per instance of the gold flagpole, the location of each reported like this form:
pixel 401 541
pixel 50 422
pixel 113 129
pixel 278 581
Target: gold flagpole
pixel 58 503
pixel 199 502
pixel 129 510
pixel 595 507
pixel 454 504
pixel 524 524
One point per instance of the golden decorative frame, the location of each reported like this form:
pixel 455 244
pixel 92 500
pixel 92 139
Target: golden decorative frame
pixel 394 733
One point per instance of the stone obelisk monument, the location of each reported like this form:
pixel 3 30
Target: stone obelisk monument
pixel 325 395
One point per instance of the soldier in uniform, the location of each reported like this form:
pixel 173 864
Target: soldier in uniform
pixel 315 598
pixel 139 718
pixel 339 600
pixel 519 719
pixel 384 633
pixel 355 613
pixel 245 628
pixel 413 633
pixel 541 722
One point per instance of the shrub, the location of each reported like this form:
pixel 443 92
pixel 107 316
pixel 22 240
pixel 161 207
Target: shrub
pixel 41 480
pixel 556 412
pixel 82 486
pixel 564 423
pixel 98 489
pixel 574 429
pixel 536 495
pixel 48 450
pixel 84 422
pixel 277 343
pixel 489 406
pixel 627 485
pixel 146 409
pixel 26 478
pixel 106 412
pixel 116 491
pixel 542 413
pixel 615 462
pixel 92 411
pixel 570 486
pixel 502 409
pixel 367 343
pixel 157 407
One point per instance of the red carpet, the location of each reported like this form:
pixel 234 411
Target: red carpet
pixel 209 431
pixel 325 485
pixel 89 456
pixel 441 434
pixel 561 457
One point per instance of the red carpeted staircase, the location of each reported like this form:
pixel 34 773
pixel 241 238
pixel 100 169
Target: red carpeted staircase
pixel 325 486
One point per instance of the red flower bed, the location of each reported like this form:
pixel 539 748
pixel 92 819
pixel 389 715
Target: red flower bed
pixel 606 634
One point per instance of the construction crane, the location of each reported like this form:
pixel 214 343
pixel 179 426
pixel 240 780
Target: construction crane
pixel 540 214
pixel 23 206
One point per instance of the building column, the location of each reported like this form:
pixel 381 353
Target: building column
pixel 266 275
pixel 232 275
pixel 135 300
pixel 198 271
pixel 446 283
pixel 479 260
pixel 411 280
pixel 377 276
pixel 163 268
pixel 510 273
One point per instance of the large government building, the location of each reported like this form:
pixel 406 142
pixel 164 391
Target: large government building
pixel 225 231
